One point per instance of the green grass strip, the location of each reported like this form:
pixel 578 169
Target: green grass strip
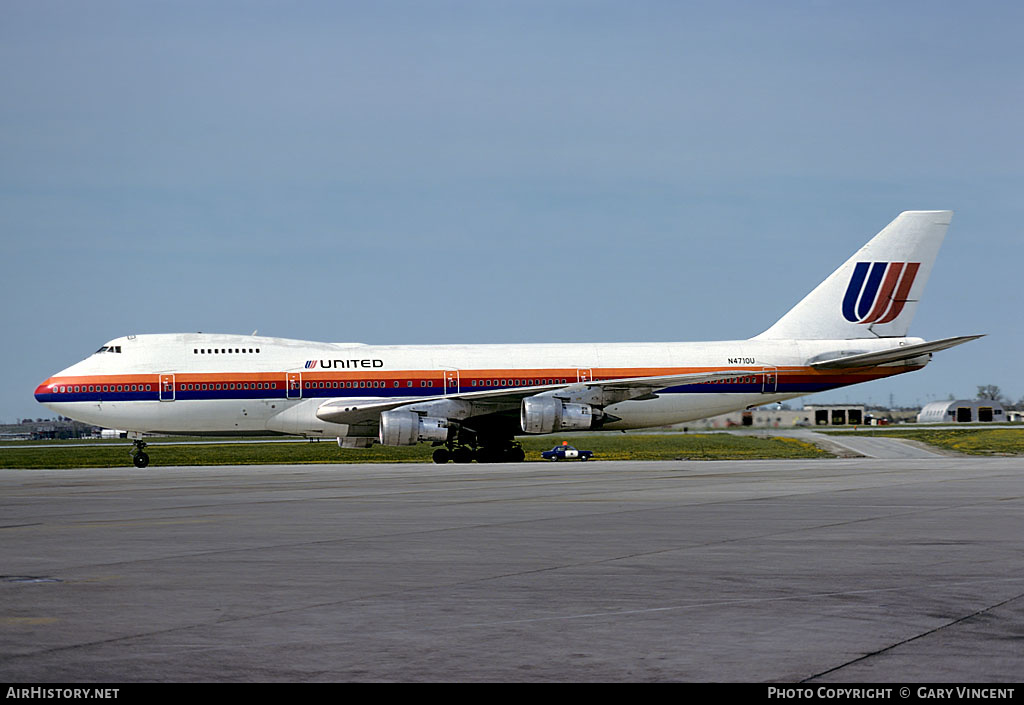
pixel 608 446
pixel 972 440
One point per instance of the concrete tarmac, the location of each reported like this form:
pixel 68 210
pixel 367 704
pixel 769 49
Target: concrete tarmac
pixel 850 570
pixel 868 446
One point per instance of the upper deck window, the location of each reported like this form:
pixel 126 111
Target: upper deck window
pixel 206 351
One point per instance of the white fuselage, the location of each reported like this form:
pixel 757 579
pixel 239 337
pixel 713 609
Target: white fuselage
pixel 217 384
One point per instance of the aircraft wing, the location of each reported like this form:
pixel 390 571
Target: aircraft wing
pixel 597 392
pixel 907 352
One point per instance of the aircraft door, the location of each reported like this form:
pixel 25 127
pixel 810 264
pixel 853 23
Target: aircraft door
pixel 451 381
pixel 293 385
pixel 770 380
pixel 166 386
pixel 584 374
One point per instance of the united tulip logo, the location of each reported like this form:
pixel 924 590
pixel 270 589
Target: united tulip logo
pixel 878 291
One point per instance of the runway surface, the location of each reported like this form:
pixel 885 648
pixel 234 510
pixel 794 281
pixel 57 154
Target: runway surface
pixel 906 570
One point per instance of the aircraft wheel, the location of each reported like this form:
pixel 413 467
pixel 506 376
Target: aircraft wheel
pixel 462 454
pixel 441 456
pixel 487 455
pixel 140 459
pixel 515 455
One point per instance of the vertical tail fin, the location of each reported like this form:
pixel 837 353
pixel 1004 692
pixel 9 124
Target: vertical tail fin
pixel 875 293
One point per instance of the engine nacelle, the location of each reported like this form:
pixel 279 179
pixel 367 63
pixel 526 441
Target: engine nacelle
pixel 407 428
pixel 547 415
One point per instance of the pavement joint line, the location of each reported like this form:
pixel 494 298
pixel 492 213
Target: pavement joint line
pixel 913 638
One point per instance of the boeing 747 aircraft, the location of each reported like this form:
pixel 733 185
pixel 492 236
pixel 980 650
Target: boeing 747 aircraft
pixel 471 401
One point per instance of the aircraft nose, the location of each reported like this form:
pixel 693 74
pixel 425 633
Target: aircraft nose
pixel 45 391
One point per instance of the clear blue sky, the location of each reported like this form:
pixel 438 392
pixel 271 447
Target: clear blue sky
pixel 431 172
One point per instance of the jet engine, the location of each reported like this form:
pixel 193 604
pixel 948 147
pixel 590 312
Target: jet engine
pixel 407 428
pixel 548 414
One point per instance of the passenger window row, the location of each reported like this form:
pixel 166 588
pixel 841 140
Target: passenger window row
pixel 515 382
pixel 226 385
pixel 374 384
pixel 78 388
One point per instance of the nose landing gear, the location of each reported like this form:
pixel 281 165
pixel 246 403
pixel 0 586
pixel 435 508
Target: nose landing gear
pixel 139 457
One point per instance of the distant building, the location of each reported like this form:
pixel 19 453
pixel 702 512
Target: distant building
pixel 837 415
pixel 45 429
pixel 962 411
pixel 773 417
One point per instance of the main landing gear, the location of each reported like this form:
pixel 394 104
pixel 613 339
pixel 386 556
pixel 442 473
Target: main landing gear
pixel 507 452
pixel 139 457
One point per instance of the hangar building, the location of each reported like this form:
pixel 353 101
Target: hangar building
pixel 962 411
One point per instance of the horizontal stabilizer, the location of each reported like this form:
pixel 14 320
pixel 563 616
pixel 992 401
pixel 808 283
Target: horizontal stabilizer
pixel 906 352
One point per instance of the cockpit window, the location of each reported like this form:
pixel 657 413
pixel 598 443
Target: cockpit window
pixel 109 348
